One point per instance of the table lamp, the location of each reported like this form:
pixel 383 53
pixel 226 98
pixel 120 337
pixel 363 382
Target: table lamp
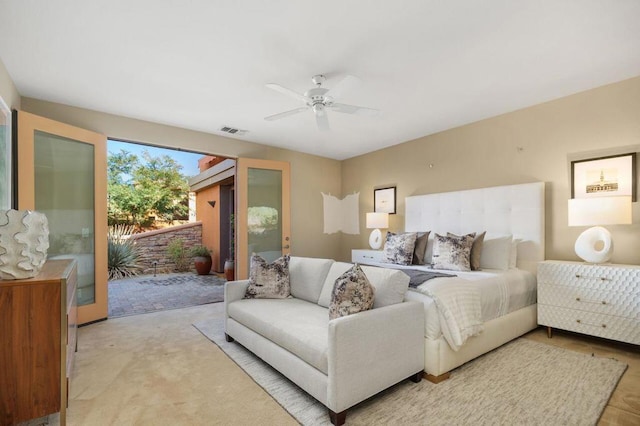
pixel 376 221
pixel 595 244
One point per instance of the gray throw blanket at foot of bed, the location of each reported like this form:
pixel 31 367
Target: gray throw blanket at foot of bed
pixel 417 277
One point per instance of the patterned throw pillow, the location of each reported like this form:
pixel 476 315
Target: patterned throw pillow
pixel 268 280
pixel 476 249
pixel 399 248
pixel 452 253
pixel 352 293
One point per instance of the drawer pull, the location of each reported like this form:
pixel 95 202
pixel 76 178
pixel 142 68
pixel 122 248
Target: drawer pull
pixel 599 302
pixel 595 325
pixel 601 278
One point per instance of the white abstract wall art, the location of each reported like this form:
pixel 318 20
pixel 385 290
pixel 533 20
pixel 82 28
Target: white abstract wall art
pixel 341 215
pixel 24 241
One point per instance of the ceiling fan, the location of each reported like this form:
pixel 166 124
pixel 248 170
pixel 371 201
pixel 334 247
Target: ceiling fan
pixel 319 99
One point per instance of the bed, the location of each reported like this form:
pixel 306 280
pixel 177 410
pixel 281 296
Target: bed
pixel 507 295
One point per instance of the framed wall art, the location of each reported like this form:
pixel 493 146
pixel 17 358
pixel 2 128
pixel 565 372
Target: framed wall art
pixel 6 181
pixel 384 200
pixel 604 177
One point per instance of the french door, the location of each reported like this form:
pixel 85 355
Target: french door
pixel 62 172
pixel 263 214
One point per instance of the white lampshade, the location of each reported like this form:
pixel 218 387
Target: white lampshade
pixel 600 211
pixel 595 245
pixel 377 220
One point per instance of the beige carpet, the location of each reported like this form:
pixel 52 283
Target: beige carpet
pixel 523 382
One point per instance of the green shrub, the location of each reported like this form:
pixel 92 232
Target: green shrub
pixel 200 251
pixel 122 253
pixel 179 254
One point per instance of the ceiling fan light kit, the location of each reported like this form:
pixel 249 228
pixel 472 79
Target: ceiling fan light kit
pixel 318 99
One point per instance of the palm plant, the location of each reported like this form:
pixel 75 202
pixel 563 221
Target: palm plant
pixel 123 255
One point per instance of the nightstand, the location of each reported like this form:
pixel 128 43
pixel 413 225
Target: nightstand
pixel 599 300
pixel 367 257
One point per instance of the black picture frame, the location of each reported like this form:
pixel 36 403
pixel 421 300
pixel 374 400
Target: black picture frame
pixel 589 177
pixel 384 200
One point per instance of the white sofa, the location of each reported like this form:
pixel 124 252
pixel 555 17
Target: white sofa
pixel 339 362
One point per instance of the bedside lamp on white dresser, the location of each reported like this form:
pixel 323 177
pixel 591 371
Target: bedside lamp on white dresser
pixel 595 244
pixel 377 221
pixel 592 298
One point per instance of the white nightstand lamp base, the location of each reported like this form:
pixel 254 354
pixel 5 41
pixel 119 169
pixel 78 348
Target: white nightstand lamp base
pixel 375 239
pixel 594 245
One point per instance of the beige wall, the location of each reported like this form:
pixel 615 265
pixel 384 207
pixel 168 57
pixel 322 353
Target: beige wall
pixel 310 175
pixel 8 91
pixel 533 144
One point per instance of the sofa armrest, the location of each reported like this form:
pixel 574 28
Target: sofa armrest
pixel 372 350
pixel 233 290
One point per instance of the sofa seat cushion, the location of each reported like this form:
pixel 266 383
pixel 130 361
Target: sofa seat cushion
pixel 298 326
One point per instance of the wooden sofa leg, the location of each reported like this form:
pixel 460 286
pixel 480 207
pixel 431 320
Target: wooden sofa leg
pixel 338 419
pixel 416 378
pixel 437 379
pixel 228 338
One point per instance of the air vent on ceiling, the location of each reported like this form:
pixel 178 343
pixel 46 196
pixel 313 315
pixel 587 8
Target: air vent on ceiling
pixel 232 130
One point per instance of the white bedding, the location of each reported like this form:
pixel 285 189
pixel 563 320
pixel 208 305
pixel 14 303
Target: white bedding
pixel 501 292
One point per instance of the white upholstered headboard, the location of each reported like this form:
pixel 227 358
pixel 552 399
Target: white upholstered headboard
pixel 514 209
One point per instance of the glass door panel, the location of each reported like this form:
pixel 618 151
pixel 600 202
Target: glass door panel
pixel 64 192
pixel 62 172
pixel 263 213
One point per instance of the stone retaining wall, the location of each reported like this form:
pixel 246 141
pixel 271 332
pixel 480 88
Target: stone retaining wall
pixel 153 245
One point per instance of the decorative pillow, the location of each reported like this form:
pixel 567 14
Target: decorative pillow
pixel 399 248
pixel 268 280
pixel 496 253
pixel 476 249
pixel 452 253
pixel 419 251
pixel 352 293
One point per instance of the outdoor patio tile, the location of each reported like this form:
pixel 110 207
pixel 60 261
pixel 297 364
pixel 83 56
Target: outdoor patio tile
pixel 143 294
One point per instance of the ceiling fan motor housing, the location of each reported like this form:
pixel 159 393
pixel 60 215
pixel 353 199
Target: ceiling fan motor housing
pixel 317 96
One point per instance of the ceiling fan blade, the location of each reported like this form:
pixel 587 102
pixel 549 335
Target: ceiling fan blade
pixel 322 120
pixel 354 109
pixel 344 85
pixel 286 114
pixel 288 92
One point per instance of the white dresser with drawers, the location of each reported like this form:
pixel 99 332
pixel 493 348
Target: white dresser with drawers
pixel 599 300
pixel 366 257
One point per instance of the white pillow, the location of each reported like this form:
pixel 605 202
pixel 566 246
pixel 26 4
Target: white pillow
pixel 513 257
pixel 496 252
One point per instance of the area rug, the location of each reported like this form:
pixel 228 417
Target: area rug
pixel 147 293
pixel 522 382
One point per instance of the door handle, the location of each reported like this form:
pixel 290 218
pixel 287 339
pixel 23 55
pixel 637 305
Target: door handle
pixel 285 247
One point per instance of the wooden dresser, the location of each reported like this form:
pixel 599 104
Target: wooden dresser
pixel 37 342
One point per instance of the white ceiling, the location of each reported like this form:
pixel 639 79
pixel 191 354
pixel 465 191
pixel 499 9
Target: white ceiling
pixel 428 65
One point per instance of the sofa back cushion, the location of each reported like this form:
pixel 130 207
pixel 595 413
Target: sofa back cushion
pixel 307 276
pixel 390 284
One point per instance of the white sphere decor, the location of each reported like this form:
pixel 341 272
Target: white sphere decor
pixel 24 241
pixel 595 245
